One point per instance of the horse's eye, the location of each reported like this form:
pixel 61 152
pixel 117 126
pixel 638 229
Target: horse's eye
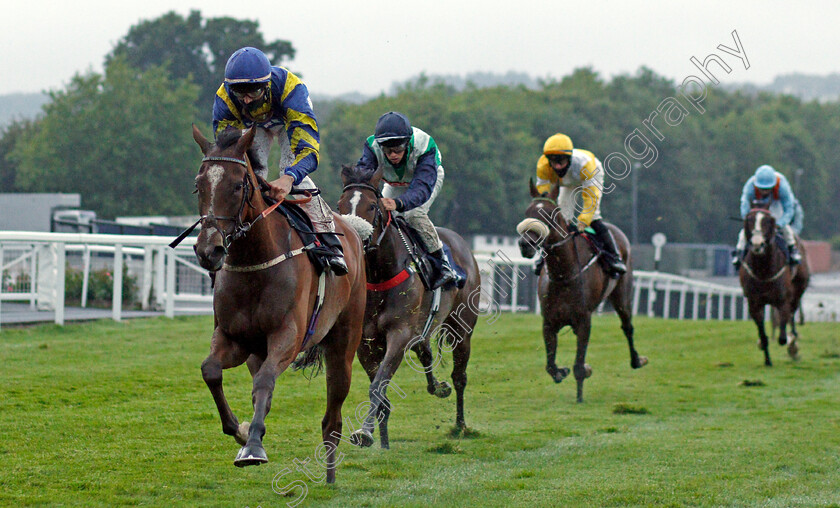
pixel 372 207
pixel 237 187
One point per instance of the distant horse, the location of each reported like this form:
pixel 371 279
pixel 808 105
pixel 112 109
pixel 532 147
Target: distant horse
pixel 265 294
pixel 399 309
pixel 767 279
pixel 573 285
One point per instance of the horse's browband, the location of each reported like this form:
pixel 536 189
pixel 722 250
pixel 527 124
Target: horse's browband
pixel 226 159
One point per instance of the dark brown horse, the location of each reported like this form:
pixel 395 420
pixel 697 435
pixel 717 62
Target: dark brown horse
pixel 398 306
pixel 265 293
pixel 572 285
pixel 767 279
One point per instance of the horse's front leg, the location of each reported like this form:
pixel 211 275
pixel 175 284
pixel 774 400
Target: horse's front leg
pixel 550 330
pixel 784 318
pixel 280 355
pixel 581 369
pixel 380 406
pixel 424 353
pixel 757 314
pixel 224 354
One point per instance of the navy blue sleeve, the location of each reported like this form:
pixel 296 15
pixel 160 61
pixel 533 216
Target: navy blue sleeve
pixel 368 159
pixel 420 189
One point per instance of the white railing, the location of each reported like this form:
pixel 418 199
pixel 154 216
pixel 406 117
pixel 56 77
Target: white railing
pixel 158 267
pixel 655 294
pixel 164 279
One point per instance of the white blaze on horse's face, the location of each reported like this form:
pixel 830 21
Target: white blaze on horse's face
pixel 214 176
pixel 354 201
pixel 757 237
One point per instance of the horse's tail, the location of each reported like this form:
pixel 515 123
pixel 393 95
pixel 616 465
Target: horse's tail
pixel 311 362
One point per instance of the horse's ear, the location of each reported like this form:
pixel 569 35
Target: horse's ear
pixel 201 140
pixel 554 192
pixel 533 188
pixel 376 177
pixel 245 141
pixel 347 172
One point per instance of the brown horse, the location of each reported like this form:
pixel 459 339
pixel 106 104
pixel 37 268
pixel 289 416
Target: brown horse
pixel 265 293
pixel 573 285
pixel 767 279
pixel 397 317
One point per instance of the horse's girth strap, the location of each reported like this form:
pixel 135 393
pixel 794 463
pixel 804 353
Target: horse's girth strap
pixel 391 283
pixel 268 264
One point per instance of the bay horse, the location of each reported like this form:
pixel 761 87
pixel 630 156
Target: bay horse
pixel 397 316
pixel 265 292
pixel 572 285
pixel 768 279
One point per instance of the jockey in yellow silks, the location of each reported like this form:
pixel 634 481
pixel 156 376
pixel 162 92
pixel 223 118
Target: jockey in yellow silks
pixel 574 168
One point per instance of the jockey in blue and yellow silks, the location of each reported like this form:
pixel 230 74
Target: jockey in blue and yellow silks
pixel 413 174
pixel 574 168
pixel 277 102
pixel 769 187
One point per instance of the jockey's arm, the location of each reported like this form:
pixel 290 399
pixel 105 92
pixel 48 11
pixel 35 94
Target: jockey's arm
pixel 368 159
pixel 747 196
pixel 591 194
pixel 545 175
pixel 788 203
pixel 420 189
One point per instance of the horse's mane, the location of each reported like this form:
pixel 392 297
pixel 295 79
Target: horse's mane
pixel 228 137
pixel 356 174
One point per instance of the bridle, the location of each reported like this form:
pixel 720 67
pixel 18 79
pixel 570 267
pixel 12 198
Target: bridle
pixel 240 227
pixel 378 217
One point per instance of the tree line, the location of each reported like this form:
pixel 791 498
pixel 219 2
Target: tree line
pixel 123 139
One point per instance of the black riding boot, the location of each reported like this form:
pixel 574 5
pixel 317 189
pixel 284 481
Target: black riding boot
pixel 335 261
pixel 795 256
pixel 607 240
pixel 442 272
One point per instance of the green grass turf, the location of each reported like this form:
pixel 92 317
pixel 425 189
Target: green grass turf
pixel 104 414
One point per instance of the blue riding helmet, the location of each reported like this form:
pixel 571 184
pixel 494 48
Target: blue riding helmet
pixel 247 65
pixel 765 177
pixel 392 128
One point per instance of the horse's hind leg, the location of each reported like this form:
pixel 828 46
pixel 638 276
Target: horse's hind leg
pixel 757 314
pixel 581 369
pixel 224 354
pixel 550 338
pixel 460 359
pixel 339 364
pixel 621 301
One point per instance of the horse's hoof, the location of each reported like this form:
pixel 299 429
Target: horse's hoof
pixel 253 455
pixel 793 350
pixel 443 390
pixel 361 438
pixel 587 370
pixel 641 362
pixel 560 374
pixel 783 341
pixel 242 432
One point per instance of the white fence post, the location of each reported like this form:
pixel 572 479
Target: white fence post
pixel 116 294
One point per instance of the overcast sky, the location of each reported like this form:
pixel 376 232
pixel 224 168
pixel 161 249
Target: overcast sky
pixel 365 46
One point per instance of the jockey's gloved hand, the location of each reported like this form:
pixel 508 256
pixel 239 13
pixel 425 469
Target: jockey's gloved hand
pixel 581 226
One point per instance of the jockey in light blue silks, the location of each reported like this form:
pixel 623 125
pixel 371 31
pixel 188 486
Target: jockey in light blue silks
pixel 770 187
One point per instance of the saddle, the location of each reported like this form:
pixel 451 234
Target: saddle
pixel 300 222
pixel 605 256
pixel 419 254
